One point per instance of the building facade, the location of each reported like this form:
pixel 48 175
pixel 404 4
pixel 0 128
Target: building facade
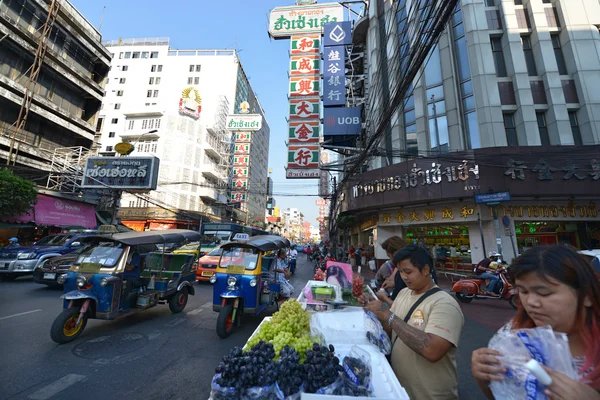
pixel 67 96
pixel 504 103
pixel 173 104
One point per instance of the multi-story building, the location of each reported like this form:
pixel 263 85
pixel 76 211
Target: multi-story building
pixel 506 103
pixel 67 94
pixel 173 104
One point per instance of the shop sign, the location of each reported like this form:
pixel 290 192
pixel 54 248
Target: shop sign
pixel 244 122
pixel 430 215
pixel 337 34
pixel 238 197
pixel 304 86
pixel 342 121
pixel 369 224
pixel 544 170
pixel 304 108
pixel 334 76
pixel 239 184
pixel 558 211
pixel 243 137
pixel 241 161
pixel 304 131
pixel 296 20
pixel 241 172
pixel 419 177
pixel 492 197
pixel 242 148
pixel 303 156
pixel 190 102
pixel 302 173
pixel 138 173
pixel 305 65
pixel 306 44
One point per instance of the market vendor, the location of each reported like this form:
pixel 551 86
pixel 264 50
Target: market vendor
pixel 424 324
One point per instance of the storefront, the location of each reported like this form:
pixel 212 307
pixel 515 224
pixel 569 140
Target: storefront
pixel 154 218
pixel 553 200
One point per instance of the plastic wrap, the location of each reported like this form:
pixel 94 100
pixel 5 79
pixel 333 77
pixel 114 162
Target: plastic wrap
pixel 376 334
pixel 260 393
pixel 218 392
pixel 333 388
pixel 356 378
pixel 282 396
pixel 518 346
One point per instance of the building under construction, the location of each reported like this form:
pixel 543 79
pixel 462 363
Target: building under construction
pixel 52 73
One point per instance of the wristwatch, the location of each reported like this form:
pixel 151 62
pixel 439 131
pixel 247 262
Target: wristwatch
pixel 392 316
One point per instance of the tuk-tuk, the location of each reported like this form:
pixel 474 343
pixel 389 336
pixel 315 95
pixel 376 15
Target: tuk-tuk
pixel 244 283
pixel 123 274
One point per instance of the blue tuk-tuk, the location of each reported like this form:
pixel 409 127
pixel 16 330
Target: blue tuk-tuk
pixel 244 282
pixel 123 274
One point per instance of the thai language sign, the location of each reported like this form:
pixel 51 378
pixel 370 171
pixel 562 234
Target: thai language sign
pixel 244 122
pixel 296 20
pixel 139 173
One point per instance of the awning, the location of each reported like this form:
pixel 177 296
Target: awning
pixel 9 225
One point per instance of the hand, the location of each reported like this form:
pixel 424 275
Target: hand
pixel 388 284
pixel 382 295
pixel 287 273
pixel 379 308
pixel 365 298
pixel 485 365
pixel 563 388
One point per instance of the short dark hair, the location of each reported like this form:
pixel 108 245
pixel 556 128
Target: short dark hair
pixel 393 244
pixel 418 256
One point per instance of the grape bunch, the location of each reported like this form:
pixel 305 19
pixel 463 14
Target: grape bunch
pixel 291 372
pixel 357 285
pixel 321 367
pixel 244 370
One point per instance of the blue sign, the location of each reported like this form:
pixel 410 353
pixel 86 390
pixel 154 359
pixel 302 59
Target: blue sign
pixel 137 173
pixel 337 34
pixel 342 121
pixel 334 76
pixel 492 197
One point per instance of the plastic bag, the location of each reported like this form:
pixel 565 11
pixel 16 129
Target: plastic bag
pixel 518 346
pixel 218 392
pixel 372 265
pixel 376 334
pixel 295 396
pixel 260 393
pixel 357 373
pixel 332 388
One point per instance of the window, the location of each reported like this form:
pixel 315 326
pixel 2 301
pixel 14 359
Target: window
pixel 125 68
pixel 144 124
pixel 190 80
pixel 518 2
pixel 523 18
pixel 114 121
pixel 498 57
pixel 136 54
pixel 155 94
pixel 111 134
pixel 197 68
pixel 159 68
pixel 149 93
pixel 543 128
pixel 538 92
pixel 507 93
pixel 529 59
pixel 120 55
pixel 575 128
pixel 153 68
pixel 558 54
pixel 127 54
pixel 131 203
pixel 145 54
pixel 192 68
pixel 151 82
pixel 117 106
pixel 130 125
pixel 196 81
pixel 109 148
pixel 489 3
pixel 154 54
pixel 493 19
pixel 157 81
pixel 511 130
pixel 570 91
pixel 552 17
pixel 122 80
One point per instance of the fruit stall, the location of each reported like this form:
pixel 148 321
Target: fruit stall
pixel 298 354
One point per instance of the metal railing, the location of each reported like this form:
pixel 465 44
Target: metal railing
pixel 156 41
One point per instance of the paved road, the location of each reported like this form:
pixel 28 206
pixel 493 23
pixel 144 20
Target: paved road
pixel 152 355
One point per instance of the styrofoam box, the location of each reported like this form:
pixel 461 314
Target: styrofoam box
pixel 384 381
pixel 346 326
pixel 321 306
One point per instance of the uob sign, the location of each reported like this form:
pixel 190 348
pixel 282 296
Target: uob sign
pixel 342 121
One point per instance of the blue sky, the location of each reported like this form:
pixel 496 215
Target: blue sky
pixel 221 24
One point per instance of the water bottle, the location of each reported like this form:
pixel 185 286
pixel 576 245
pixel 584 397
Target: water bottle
pixel 151 284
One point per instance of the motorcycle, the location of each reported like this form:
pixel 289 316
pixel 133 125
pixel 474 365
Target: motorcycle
pixel 467 289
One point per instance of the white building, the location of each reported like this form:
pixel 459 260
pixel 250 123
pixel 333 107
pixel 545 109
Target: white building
pixel 173 104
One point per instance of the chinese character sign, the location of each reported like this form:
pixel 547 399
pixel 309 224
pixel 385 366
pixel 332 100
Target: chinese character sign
pixel 307 44
pixel 303 156
pixel 334 76
pixel 305 65
pixel 304 108
pixel 304 131
pixel 304 86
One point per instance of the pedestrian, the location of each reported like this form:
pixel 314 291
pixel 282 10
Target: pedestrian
pixel 282 274
pixel 293 257
pixel 424 323
pixel 557 288
pixel 352 256
pixel 358 256
pixel 388 270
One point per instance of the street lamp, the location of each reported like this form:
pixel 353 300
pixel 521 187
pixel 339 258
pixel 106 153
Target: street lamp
pixel 141 136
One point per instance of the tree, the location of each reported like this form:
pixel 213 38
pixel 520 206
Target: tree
pixel 17 195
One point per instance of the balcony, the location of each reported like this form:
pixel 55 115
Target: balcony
pixel 213 147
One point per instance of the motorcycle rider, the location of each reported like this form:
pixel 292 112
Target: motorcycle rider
pixel 484 271
pixel 13 243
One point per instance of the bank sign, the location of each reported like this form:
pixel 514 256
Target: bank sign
pixel 297 20
pixel 132 173
pixel 341 121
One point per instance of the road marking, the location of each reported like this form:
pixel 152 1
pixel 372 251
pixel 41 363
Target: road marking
pixel 206 305
pixel 154 335
pixel 50 390
pixel 19 314
pixel 195 311
pixel 175 322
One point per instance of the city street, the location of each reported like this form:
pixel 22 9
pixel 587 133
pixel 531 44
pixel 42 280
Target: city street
pixel 153 355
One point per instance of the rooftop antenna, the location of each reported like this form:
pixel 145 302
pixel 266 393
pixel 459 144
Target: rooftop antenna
pixel 101 19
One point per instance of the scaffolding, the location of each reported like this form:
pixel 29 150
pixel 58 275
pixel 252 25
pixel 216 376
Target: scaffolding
pixel 66 171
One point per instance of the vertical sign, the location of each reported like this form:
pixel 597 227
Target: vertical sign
pixel 334 76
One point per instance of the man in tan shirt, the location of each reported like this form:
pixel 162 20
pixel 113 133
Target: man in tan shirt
pixel 424 348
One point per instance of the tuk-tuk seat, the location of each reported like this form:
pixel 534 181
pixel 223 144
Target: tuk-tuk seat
pixel 267 267
pixel 171 265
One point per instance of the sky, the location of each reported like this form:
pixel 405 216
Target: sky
pixel 240 25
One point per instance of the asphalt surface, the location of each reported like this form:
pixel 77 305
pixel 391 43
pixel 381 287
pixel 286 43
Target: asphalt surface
pixel 154 354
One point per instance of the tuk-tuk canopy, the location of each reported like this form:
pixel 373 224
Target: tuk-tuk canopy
pixel 261 242
pixel 151 237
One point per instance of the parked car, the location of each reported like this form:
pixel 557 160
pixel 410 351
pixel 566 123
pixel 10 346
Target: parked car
pixel 24 260
pixel 207 265
pixel 300 248
pixel 594 257
pixel 50 269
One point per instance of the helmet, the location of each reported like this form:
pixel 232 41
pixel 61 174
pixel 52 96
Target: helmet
pixel 13 240
pixel 494 253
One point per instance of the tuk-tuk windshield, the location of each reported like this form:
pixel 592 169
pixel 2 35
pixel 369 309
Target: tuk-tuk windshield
pixel 235 256
pixel 190 246
pixel 106 254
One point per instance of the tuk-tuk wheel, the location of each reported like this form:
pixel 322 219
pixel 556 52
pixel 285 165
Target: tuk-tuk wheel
pixel 65 329
pixel 225 321
pixel 179 300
